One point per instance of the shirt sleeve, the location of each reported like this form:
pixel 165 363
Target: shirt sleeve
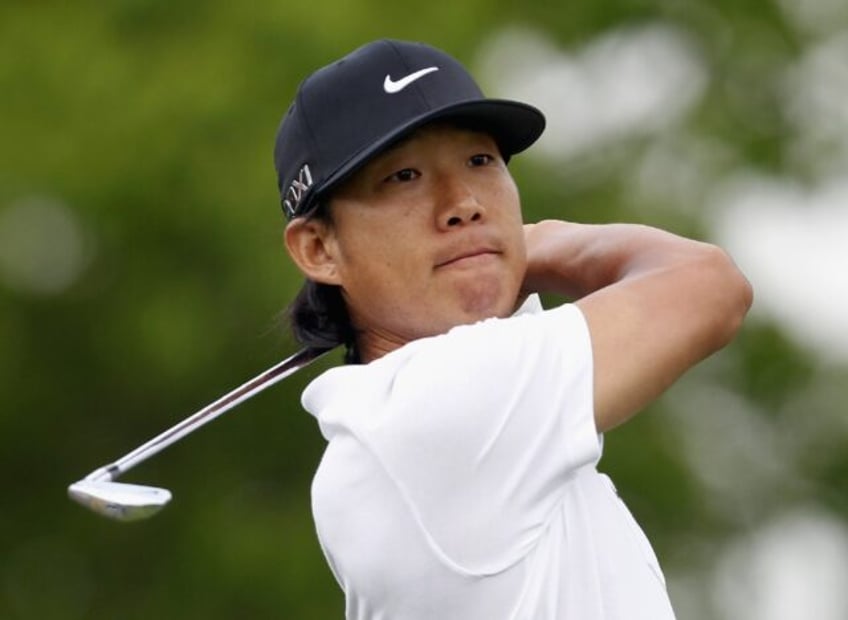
pixel 483 430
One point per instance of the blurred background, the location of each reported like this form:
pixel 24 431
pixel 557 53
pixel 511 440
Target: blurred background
pixel 142 274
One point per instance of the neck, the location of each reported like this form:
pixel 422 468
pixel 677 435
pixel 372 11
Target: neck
pixel 372 345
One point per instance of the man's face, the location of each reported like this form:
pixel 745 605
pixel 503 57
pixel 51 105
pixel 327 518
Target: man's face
pixel 428 236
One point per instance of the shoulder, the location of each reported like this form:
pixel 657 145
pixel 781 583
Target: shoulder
pixel 472 366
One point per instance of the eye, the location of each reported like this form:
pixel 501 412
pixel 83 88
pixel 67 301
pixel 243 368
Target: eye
pixel 481 159
pixel 403 176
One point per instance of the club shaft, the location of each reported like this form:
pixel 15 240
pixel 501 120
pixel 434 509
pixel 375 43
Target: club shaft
pixel 212 411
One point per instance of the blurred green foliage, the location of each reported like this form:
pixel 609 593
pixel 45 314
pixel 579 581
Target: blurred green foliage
pixel 152 122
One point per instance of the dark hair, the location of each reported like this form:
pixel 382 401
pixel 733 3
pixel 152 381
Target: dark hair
pixel 318 316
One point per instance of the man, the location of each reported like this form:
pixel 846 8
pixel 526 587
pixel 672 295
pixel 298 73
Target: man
pixel 460 476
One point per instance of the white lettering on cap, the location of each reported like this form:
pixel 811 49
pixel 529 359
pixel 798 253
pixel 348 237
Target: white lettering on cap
pixel 294 194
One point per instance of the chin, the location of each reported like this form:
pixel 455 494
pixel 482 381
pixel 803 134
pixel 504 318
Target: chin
pixel 481 310
pixel 487 302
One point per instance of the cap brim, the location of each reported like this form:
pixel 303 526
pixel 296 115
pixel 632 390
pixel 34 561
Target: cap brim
pixel 513 125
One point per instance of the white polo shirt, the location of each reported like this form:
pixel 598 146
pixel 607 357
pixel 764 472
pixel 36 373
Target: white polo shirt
pixel 460 481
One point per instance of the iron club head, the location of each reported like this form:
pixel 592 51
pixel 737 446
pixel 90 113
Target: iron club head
pixel 130 502
pixel 119 501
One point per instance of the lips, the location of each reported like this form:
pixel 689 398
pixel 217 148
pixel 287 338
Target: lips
pixel 467 253
pixel 473 256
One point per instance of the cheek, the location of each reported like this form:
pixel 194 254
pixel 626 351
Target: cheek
pixel 378 265
pixel 512 197
pixel 381 239
pixel 506 196
pixel 503 191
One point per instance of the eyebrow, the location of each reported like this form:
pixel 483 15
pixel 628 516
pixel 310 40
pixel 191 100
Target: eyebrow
pixel 408 137
pixel 399 143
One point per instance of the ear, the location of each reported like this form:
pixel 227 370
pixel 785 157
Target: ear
pixel 311 244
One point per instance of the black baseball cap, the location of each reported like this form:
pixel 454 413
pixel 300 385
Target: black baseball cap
pixel 351 110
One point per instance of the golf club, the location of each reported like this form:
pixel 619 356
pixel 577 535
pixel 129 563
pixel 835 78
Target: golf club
pixel 130 502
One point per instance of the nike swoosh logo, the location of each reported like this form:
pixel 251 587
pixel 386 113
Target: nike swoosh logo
pixel 391 86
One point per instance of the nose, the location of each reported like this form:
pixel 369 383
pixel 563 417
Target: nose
pixel 459 205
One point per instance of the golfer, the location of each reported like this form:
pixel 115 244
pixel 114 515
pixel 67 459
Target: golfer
pixel 460 477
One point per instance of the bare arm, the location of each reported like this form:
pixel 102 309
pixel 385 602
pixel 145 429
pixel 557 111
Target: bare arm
pixel 656 304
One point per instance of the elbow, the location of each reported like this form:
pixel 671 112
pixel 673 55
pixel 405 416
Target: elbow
pixel 732 296
pixel 739 301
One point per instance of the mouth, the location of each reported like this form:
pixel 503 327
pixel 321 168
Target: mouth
pixel 469 258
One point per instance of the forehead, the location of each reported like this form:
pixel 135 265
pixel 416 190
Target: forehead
pixel 420 140
pixel 439 130
pixel 438 133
